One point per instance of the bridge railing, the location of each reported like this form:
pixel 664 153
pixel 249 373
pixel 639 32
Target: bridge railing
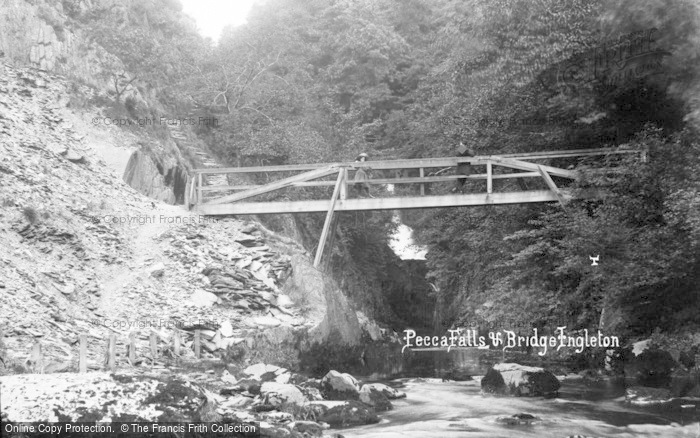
pixel 197 190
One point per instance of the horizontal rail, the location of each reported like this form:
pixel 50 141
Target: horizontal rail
pixel 411 180
pixel 417 163
pixel 397 203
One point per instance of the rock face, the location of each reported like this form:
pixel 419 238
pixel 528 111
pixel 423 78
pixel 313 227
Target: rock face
pixel 339 386
pixel 160 178
pixel 520 380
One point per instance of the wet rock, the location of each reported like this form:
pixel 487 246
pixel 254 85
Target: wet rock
pixel 275 394
pixel 517 419
pixel 651 368
pixel 520 380
pixel 646 396
pixel 455 375
pixel 308 428
pixel 375 398
pixel 388 391
pixel 694 392
pixel 493 383
pixel 339 386
pixel 275 431
pixel 681 383
pixel 350 413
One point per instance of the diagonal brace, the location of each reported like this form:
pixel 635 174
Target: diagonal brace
pixel 552 186
pixel 329 218
pixel 286 182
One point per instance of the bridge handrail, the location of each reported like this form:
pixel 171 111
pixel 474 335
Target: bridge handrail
pixel 416 163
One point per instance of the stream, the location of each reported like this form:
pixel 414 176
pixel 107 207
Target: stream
pixel 457 409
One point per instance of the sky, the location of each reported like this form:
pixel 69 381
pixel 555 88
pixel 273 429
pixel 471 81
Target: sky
pixel 213 15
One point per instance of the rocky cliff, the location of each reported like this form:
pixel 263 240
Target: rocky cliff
pixel 54 36
pixel 87 254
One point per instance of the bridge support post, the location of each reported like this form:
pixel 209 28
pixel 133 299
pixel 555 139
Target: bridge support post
pixel 199 188
pixel 329 218
pixel 489 177
pixel 422 186
pixel 344 184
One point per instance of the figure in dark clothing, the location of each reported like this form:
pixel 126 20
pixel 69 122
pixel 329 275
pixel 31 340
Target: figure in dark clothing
pixel 361 176
pixel 463 168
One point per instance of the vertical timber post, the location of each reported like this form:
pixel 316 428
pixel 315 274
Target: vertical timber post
pixel 132 349
pixel 154 348
pixel 82 354
pixel 344 184
pixel 176 343
pixel 37 358
pixel 197 343
pixel 111 358
pixel 489 177
pixel 422 186
pixel 199 188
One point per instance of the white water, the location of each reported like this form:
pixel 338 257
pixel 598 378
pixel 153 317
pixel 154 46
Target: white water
pixel 456 409
pixel 402 242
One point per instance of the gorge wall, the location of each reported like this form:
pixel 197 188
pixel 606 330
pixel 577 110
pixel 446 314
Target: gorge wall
pixel 53 36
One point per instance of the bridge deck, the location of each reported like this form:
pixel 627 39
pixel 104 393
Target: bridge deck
pixel 396 203
pixel 313 176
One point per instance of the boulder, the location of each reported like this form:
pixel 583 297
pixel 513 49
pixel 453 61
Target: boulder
pixel 273 393
pixel 268 373
pixel 375 398
pixel 307 428
pixel 456 374
pixel 645 396
pixel 349 413
pixel 694 392
pixel 202 298
pixel 226 329
pixel 681 383
pixel 388 391
pixel 517 419
pixel 251 385
pixel 311 393
pixel 339 386
pixel 493 383
pixel 74 156
pixel 651 368
pixel 520 380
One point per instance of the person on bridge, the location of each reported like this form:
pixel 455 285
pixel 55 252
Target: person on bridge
pixel 463 168
pixel 361 176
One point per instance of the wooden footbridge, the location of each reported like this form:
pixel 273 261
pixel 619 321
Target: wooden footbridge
pixel 213 200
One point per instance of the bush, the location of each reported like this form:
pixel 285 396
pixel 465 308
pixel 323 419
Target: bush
pixel 130 105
